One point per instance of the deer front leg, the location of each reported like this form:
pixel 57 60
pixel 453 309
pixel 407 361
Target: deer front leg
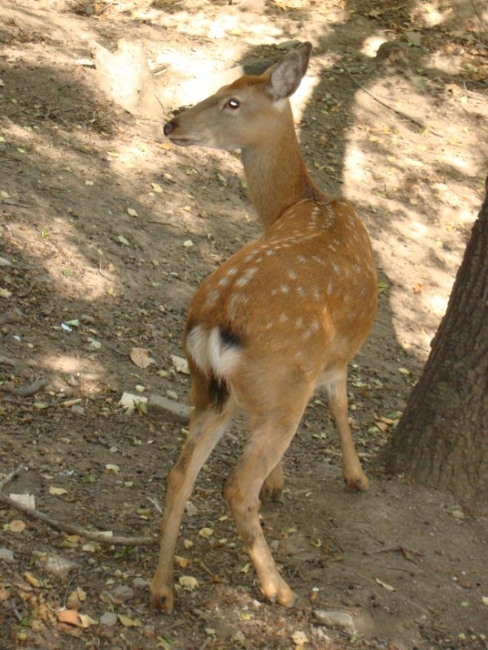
pixel 206 428
pixel 354 477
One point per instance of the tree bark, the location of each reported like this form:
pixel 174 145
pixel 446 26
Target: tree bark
pixel 442 438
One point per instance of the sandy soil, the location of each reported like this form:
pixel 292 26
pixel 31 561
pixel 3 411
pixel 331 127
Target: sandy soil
pixel 107 229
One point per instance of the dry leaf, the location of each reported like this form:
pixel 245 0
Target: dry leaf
pixel 76 598
pixel 69 616
pixel 299 638
pixel 129 622
pixel 385 585
pixel 32 580
pixel 129 401
pixel 140 356
pixel 86 620
pixel 27 500
pixel 57 491
pixel 182 562
pixel 188 582
pixel 17 526
pixel 180 364
pixel 206 532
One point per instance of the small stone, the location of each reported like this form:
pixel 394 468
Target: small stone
pixel 6 555
pixel 140 583
pixel 58 565
pixel 335 619
pixel 458 514
pixel 79 410
pixel 172 395
pixel 123 593
pixel 108 619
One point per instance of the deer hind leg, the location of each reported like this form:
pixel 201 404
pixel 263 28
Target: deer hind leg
pixel 206 428
pixel 336 388
pixel 273 485
pixel 262 455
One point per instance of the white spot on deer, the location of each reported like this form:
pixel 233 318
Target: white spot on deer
pixel 301 291
pixel 330 288
pixel 299 323
pixel 302 259
pixel 283 318
pixel 212 298
pixel 285 288
pixel 292 274
pixel 316 294
pixel 223 282
pixel 235 301
pixel 246 277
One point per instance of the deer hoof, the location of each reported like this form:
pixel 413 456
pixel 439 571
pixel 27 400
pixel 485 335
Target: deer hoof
pixel 162 600
pixel 357 484
pixel 272 494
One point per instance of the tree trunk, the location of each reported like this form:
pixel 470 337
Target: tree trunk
pixel 442 438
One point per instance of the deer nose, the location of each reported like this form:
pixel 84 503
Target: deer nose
pixel 169 127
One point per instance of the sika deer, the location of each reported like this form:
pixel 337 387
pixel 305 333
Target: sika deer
pixel 282 316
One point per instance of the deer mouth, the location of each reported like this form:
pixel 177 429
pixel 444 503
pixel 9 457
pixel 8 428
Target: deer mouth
pixel 183 142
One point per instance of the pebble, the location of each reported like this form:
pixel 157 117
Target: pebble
pixel 57 564
pixel 79 410
pixel 108 619
pixel 140 583
pixel 122 593
pixel 6 555
pixel 335 619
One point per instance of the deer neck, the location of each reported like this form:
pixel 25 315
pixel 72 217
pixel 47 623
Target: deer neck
pixel 276 174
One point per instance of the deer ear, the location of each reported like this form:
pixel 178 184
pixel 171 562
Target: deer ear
pixel 287 74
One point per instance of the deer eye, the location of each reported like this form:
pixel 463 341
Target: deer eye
pixel 233 104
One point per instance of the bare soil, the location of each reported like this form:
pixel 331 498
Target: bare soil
pixel 106 230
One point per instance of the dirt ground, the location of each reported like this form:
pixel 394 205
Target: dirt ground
pixel 106 230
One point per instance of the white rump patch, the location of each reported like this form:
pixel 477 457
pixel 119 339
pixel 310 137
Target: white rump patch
pixel 211 353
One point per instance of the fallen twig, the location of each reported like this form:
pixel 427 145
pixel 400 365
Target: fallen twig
pixel 19 205
pixel 100 537
pixel 7 361
pixel 24 391
pixel 401 114
pixel 11 476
